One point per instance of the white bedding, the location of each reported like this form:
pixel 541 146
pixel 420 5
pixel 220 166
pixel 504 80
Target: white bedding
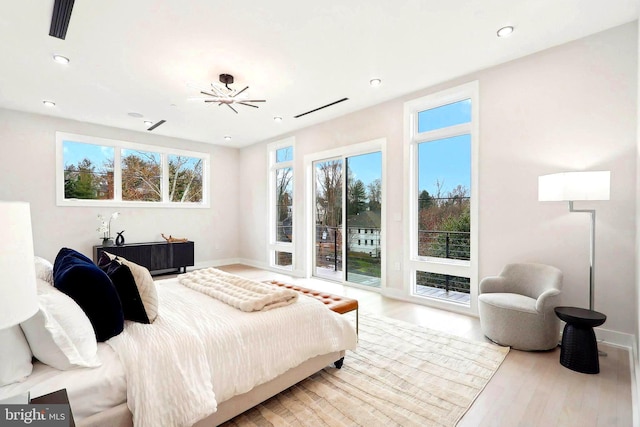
pixel 239 292
pixel 221 352
pixel 90 390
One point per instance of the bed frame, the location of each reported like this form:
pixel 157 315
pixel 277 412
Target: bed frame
pixel 120 416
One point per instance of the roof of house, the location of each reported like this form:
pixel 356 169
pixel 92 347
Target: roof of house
pixel 366 219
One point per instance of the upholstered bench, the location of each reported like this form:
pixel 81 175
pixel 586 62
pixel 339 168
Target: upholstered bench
pixel 335 303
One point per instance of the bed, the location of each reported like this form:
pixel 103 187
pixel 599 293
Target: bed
pixel 201 362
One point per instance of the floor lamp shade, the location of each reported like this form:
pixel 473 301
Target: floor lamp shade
pixel 18 298
pixel 572 186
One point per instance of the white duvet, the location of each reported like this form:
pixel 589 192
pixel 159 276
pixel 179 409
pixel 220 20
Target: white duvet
pixel 200 351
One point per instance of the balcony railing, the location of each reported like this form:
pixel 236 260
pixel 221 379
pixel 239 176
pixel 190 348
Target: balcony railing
pixel 444 244
pixel 363 255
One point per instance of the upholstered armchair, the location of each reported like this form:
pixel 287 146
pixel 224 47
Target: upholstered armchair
pixel 516 307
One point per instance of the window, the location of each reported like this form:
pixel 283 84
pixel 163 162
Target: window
pixel 141 176
pixel 97 171
pixel 281 184
pixel 345 195
pixel 185 179
pixel 442 146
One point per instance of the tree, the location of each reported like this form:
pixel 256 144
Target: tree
pixel 80 181
pixel 356 198
pixel 444 223
pixel 141 177
pixel 375 195
pixel 329 192
pixel 284 177
pixel 185 181
pixel 425 201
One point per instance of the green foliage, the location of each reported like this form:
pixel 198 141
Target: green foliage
pixel 81 181
pixel 425 201
pixel 445 224
pixel 359 263
pixel 357 198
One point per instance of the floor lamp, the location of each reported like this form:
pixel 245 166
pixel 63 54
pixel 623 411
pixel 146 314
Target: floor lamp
pixel 18 285
pixel 575 186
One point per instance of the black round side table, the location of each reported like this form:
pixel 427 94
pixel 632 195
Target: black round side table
pixel 579 351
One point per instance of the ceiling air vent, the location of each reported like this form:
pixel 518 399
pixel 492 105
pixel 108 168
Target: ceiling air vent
pixel 60 18
pixel 320 108
pixel 156 125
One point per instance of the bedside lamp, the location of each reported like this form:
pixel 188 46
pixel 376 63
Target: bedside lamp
pixel 572 186
pixel 18 297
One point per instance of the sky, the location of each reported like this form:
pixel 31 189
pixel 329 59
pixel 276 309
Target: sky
pixel 366 167
pixel 445 160
pixel 75 152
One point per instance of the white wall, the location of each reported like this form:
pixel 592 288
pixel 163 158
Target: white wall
pixel 27 150
pixel 571 107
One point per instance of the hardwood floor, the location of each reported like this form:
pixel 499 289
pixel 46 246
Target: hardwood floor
pixel 529 388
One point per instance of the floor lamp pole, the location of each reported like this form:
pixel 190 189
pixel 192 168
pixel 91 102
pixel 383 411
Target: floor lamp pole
pixel 592 250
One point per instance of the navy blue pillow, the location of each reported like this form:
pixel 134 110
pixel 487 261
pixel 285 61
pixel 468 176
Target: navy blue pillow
pixel 125 284
pixel 82 280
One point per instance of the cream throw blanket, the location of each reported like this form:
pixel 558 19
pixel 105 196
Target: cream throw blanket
pixel 243 294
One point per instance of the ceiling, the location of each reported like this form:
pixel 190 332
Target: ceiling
pixel 150 56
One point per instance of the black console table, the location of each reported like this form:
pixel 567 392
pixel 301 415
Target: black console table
pixel 158 257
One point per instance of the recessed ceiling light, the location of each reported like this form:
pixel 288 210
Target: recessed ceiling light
pixel 148 122
pixel 136 115
pixel 505 31
pixel 49 103
pixel 227 138
pixel 375 82
pixel 277 119
pixel 61 59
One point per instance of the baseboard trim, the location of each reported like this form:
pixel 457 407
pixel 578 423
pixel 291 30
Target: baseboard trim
pixel 213 263
pixel 265 266
pixel 634 364
pixel 615 338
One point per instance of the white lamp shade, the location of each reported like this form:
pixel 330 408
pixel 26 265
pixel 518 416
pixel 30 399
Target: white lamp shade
pixel 571 186
pixel 18 298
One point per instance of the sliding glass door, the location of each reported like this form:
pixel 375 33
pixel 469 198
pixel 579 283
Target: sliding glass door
pixel 328 214
pixel 348 204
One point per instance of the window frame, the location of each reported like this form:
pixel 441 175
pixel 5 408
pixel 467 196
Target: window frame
pixel 344 152
pixel 118 146
pixel 274 246
pixel 413 138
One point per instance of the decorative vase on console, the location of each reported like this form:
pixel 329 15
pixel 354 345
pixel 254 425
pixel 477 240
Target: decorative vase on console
pixel 120 238
pixel 105 228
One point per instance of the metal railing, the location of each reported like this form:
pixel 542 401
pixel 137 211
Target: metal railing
pixel 444 244
pixel 362 257
pixel 443 281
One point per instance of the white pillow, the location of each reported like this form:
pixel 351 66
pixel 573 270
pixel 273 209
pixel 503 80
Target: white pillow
pixel 60 333
pixel 15 356
pixel 44 269
pixel 146 287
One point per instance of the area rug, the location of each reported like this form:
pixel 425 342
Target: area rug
pixel 400 375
